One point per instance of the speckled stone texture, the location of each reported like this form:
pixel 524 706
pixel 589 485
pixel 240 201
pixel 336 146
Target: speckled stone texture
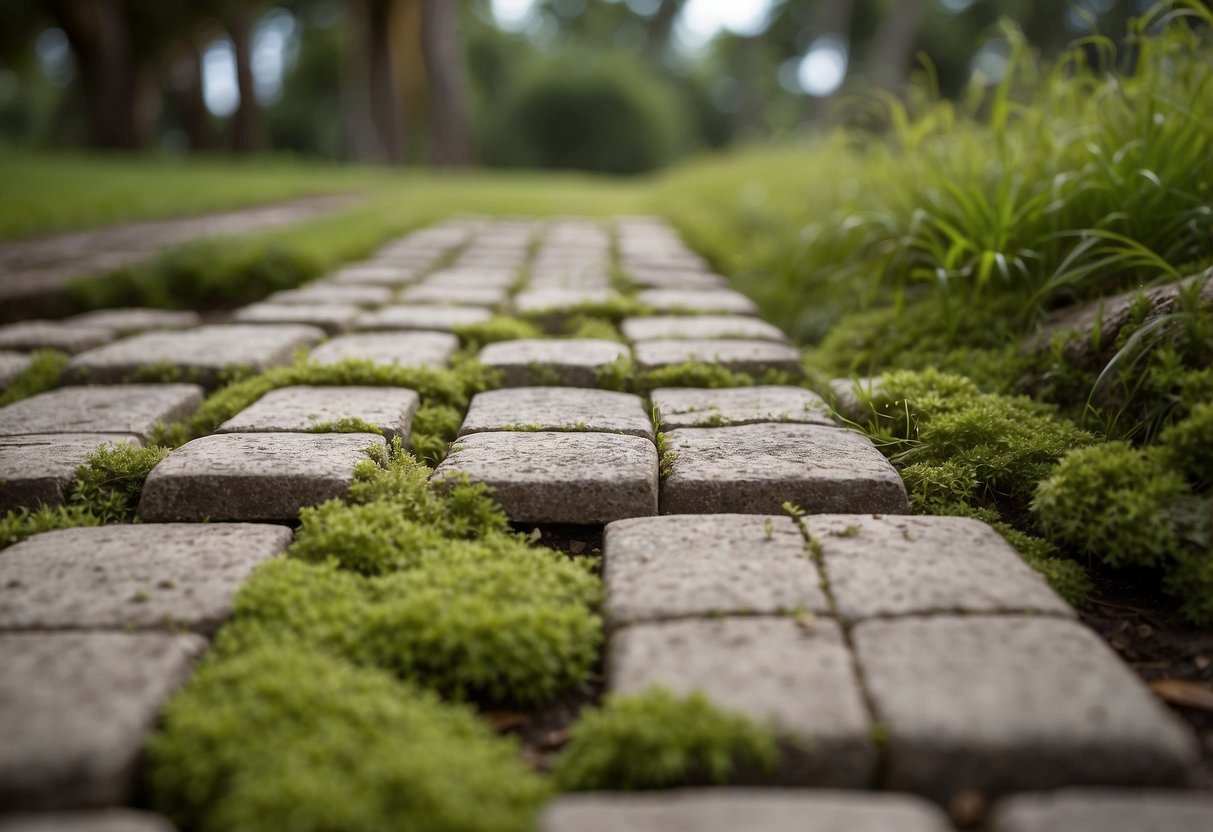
pixel 39 469
pixel 100 820
pixel 406 349
pixel 130 320
pixel 478 277
pixel 704 565
pixel 253 476
pixel 558 408
pixel 691 407
pixel 129 409
pixel 755 469
pixel 742 810
pixel 648 278
pixel 1076 810
pixel 176 576
pixel 12 364
pixel 203 353
pixel 303 409
pixel 533 362
pixel 900 565
pixel 487 296
pixel 574 478
pixel 53 335
pixel 1002 703
pixel 736 355
pixel 538 301
pixel 694 301
pixel 373 274
pixel 331 317
pixel 700 327
pixel 431 318
pixel 324 293
pixel 846 396
pixel 70 744
pixel 795 675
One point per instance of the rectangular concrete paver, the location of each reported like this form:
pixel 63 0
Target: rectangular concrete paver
pixel 558 408
pixel 331 317
pixel 1012 703
pixel 737 355
pixel 39 469
pixel 1105 810
pixel 692 407
pixel 755 469
pixel 374 274
pixel 418 317
pixel 532 362
pixel 128 409
pixel 253 476
pixel 76 708
pixel 704 565
pixel 405 349
pixel 487 296
pixel 476 277
pixel 574 478
pixel 655 278
pixel 132 577
pixel 64 336
pixel 700 327
pixel 798 679
pixel 307 409
pixel 695 301
pixel 99 820
pixel 137 319
pixel 319 294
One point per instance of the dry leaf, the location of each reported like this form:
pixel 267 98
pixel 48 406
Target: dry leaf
pixel 1185 693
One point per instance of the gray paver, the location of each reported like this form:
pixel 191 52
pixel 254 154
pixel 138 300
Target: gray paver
pixel 539 301
pixel 900 565
pixel 40 468
pixel 486 296
pixel 331 317
pixel 700 327
pixel 205 353
pixel 68 744
pixel 742 810
pixel 1104 810
pixel 847 399
pixel 138 319
pixel 130 409
pixel 1009 703
pixel 696 407
pixel 738 355
pixel 374 274
pixel 53 335
pixel 697 300
pixel 406 349
pixel 675 278
pixel 575 478
pixel 798 679
pixel 253 476
pixel 139 576
pixel 433 318
pixel 478 277
pixel 531 362
pixel 100 820
pixel 303 409
pixel 324 293
pixel 12 364
pixel 558 408
pixel 755 469
pixel 707 564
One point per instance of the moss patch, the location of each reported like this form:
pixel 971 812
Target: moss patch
pixel 42 374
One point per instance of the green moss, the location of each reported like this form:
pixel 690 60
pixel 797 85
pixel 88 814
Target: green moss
pixel 346 424
pixel 1191 580
pixel 1189 445
pixel 657 740
pixel 21 523
pixel 279 733
pixel 43 373
pixel 435 427
pixel 618 375
pixel 496 328
pixel 372 539
pixel 691 374
pixel 110 482
pixel 587 327
pixel 666 456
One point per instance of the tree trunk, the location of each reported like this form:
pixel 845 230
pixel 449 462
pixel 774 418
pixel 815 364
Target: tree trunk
pixel 358 128
pixel 195 120
pixel 749 118
pixel 386 113
pixel 450 130
pixel 244 122
pixel 660 25
pixel 893 44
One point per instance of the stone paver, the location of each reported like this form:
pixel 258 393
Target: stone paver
pixel 13 364
pixel 487 296
pixel 574 478
pixel 558 408
pixel 66 337
pixel 798 679
pixel 478 277
pixel 555 301
pixel 755 469
pixel 101 820
pixel 128 409
pixel 1010 703
pixel 76 707
pixel 374 274
pixel 847 400
pixel 1076 810
pixel 331 317
pixel 137 319
pixel 406 349
pixel 39 469
pixel 318 294
pixel 433 318
pixel 203 354
pixel 304 409
pixel 649 278
pixel 532 362
pixel 700 327
pixel 736 355
pixel 128 577
pixel 706 565
pixel 899 565
pixel 253 476
pixel 693 301
pixel 696 407
pixel 742 810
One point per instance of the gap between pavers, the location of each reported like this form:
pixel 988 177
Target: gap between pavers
pixel 133 409
pixel 557 409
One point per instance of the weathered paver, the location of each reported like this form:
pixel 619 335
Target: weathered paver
pixel 742 810
pixel 705 565
pixel 480 277
pixel 556 301
pixel 375 274
pixel 737 355
pixel 132 577
pixel 573 478
pixel 889 565
pixel 308 409
pixel 1011 703
pixel 700 327
pixel 331 317
pixel 128 409
pixel 532 362
pixel 698 407
pixel 318 294
pixel 12 365
pixel 694 301
pixel 204 354
pixel 406 349
pixel 847 401
pixel 557 408
pixel 72 338
pixel 418 317
pixel 593 276
pixel 489 297
pixel 39 469
pixel 1106 810
pixel 253 476
pixel 755 469
pixel 794 675
pixel 76 707
pixel 649 278
pixel 100 820
pixel 128 321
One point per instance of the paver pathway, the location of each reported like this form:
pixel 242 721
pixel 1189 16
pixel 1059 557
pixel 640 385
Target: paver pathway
pixel 754 548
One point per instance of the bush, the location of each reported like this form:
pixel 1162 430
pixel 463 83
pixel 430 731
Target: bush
pixel 1189 445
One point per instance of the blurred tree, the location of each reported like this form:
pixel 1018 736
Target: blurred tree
pixel 450 132
pixel 893 46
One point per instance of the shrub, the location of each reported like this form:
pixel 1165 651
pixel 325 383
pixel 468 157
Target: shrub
pixel 279 733
pixel 656 740
pixel 1189 445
